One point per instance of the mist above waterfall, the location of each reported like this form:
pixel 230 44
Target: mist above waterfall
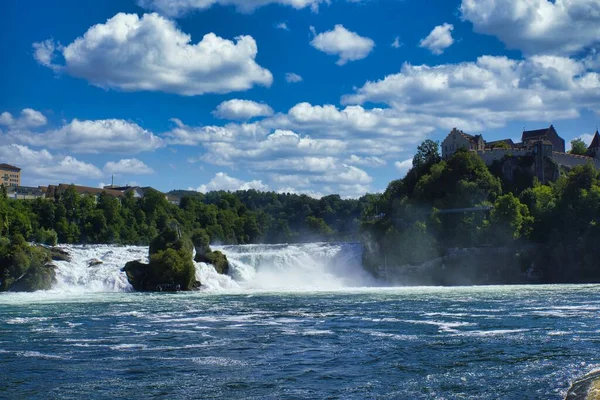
pixel 309 266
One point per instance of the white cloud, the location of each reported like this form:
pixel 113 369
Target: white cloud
pixel 439 39
pixel 177 8
pixel 397 43
pixel 128 166
pixel 403 166
pixel 151 54
pixel 43 168
pixel 489 92
pixel 291 77
pixel 282 26
pixel 29 118
pixel 222 181
pixel 91 136
pixel 44 53
pixel 349 46
pixel 366 161
pixel 537 26
pixel 237 109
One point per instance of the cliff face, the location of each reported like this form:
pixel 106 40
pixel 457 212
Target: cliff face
pixel 470 266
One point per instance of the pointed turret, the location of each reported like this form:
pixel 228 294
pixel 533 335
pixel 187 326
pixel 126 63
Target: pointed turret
pixel 595 141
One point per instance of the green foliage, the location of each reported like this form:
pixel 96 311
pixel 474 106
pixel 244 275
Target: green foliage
pixel 46 236
pixel 560 222
pixel 509 219
pixel 173 267
pixel 428 153
pixel 23 267
pixel 217 259
pixel 578 147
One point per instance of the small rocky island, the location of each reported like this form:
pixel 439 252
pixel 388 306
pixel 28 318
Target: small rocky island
pixel 27 268
pixel 171 267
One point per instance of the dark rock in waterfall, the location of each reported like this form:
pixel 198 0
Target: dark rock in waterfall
pixel 204 253
pixel 170 267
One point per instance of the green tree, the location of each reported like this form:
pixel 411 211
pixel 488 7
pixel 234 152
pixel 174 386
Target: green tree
pixel 510 219
pixel 578 147
pixel 428 153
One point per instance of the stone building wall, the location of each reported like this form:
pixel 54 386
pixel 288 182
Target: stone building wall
pixel 489 156
pixel 571 160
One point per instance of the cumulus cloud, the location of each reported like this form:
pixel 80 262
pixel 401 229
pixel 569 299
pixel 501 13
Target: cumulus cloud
pixel 237 109
pixel 128 166
pixel 90 136
pixel 403 166
pixel 349 46
pixel 439 39
pixel 151 54
pixel 29 118
pixel 42 167
pixel 489 92
pixel 291 77
pixel 366 161
pixel 222 181
pixel 558 27
pixel 397 43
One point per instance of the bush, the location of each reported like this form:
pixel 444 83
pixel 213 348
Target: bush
pixel 173 267
pixel 46 236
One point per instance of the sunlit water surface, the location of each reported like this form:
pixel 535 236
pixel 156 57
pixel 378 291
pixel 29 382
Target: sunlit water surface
pixel 478 343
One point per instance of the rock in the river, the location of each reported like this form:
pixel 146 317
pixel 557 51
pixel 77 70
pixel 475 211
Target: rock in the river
pixel 586 388
pixel 93 262
pixel 204 253
pixel 170 267
pixel 37 277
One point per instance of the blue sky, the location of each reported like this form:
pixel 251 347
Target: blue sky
pixel 309 96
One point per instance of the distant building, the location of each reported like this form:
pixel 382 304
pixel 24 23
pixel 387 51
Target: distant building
pixel 544 147
pixel 530 137
pixel 594 149
pixel 25 193
pixel 457 139
pixel 57 190
pixel 10 175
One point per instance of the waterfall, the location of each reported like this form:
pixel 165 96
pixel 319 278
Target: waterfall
pixel 310 266
pixel 306 266
pixel 81 275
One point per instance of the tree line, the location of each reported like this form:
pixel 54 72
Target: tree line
pixel 240 217
pixel 558 222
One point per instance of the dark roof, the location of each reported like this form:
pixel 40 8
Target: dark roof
pixel 507 141
pixel 8 166
pixel 537 133
pixel 596 141
pixel 87 190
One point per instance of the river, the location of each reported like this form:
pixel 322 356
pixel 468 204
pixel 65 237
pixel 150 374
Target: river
pixel 292 321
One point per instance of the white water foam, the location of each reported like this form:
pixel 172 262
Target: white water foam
pixel 310 266
pixel 78 275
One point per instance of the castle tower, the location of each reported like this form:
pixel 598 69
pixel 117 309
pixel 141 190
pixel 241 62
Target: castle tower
pixel 594 149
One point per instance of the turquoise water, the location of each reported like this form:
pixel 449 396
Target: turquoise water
pixel 446 343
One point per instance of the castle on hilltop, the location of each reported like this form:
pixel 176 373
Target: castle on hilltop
pixel 543 147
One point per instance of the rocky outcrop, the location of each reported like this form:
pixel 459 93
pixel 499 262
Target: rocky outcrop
pixel 586 388
pixel 36 278
pixel 93 262
pixel 25 268
pixel 170 267
pixel 56 253
pixel 204 253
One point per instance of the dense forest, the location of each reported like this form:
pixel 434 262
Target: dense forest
pixel 229 218
pixel 552 230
